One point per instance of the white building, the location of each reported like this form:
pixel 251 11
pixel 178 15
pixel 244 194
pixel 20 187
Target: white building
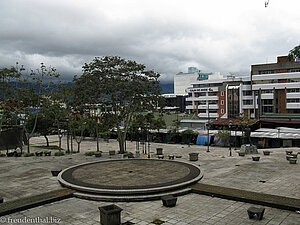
pixel 271 88
pixel 182 81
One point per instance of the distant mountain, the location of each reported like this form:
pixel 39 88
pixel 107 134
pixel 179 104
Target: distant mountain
pixel 167 88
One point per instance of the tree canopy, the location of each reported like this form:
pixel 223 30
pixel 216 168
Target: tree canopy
pixel 123 85
pixel 294 54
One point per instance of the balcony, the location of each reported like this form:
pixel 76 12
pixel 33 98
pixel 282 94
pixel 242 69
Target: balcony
pixel 211 106
pixel 247 97
pixel 293 95
pixel 247 106
pixel 211 115
pixel 202 98
pixel 190 107
pixel 246 87
pixel 270 86
pixel 190 99
pixel 267 96
pixel 293 105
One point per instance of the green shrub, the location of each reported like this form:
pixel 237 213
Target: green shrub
pixel 59 153
pixel 26 154
pixel 90 153
pixel 222 133
pixel 2 155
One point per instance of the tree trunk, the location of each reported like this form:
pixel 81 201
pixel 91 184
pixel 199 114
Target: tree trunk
pixel 78 141
pixel 78 147
pixel 47 140
pixel 60 135
pixel 97 136
pixel 28 145
pixel 68 141
pixel 59 142
pixel 71 143
pixel 28 141
pixel 121 142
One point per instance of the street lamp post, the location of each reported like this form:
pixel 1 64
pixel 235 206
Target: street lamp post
pixel 208 127
pixel 278 136
pixel 229 126
pixel 235 138
pixel 148 139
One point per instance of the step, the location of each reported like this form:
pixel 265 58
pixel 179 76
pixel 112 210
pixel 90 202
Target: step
pixel 130 198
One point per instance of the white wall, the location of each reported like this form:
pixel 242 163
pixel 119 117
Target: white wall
pixel 183 81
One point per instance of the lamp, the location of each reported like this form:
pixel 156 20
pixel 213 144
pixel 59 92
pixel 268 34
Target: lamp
pixel 230 126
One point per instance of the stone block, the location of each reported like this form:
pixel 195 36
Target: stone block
pixel 169 200
pixel 193 156
pixel 110 215
pixel 258 212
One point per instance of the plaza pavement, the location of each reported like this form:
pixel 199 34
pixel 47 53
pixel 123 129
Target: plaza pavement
pixel 22 177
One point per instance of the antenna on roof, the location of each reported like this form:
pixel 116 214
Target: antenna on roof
pixel 266 3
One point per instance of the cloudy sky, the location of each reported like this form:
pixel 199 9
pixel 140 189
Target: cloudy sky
pixel 166 35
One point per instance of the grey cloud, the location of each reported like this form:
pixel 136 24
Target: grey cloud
pixel 66 34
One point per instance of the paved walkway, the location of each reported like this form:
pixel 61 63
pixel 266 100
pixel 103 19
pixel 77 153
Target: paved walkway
pixel 22 177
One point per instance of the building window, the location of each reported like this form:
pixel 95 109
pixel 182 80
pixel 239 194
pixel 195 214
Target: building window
pixel 222 93
pixel 266 91
pixel 222 111
pixel 247 102
pixel 222 102
pixel 267 71
pixel 293 90
pixel 267 101
pixel 293 100
pixel 293 70
pixel 212 94
pixel 247 93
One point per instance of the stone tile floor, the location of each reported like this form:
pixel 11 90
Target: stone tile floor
pixel 20 177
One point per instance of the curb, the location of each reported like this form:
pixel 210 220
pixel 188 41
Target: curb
pixel 275 201
pixel 34 201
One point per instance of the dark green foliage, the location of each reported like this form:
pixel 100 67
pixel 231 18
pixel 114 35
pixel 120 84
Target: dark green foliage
pixel 294 54
pixel 91 153
pixel 188 136
pixel 223 133
pixel 26 154
pixel 59 153
pixel 122 85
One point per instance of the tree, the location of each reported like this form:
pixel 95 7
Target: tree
pixel 22 93
pixel 78 124
pixel 294 54
pixel 34 87
pixel 158 123
pixel 123 85
pixel 8 103
pixel 45 123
